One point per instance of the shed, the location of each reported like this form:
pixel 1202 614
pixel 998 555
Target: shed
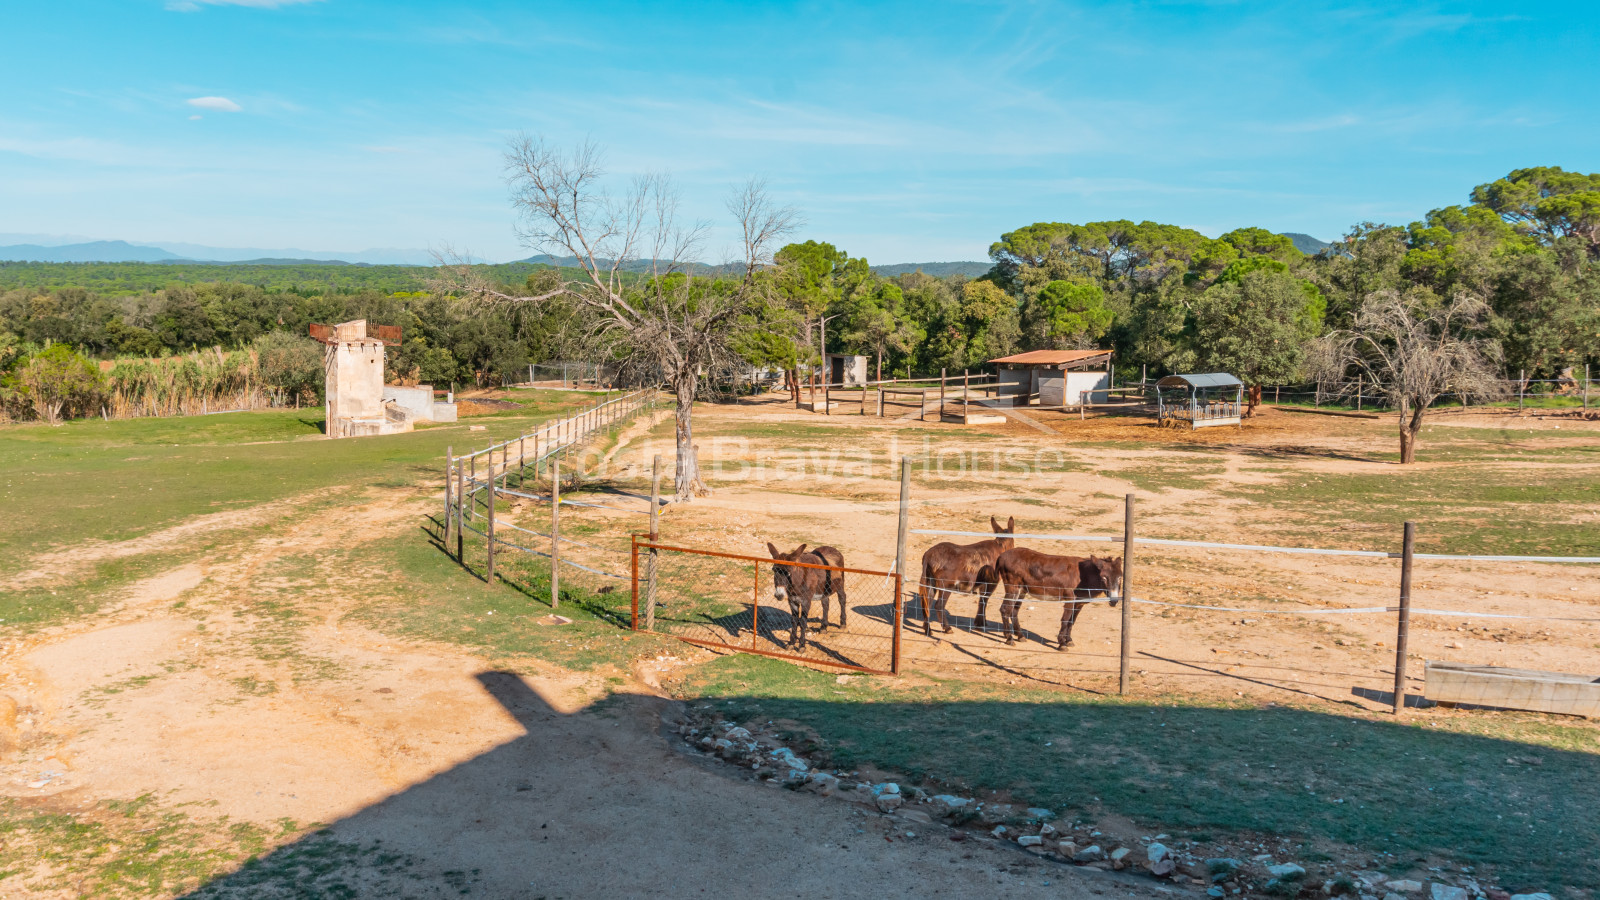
pixel 1200 401
pixel 846 369
pixel 1057 378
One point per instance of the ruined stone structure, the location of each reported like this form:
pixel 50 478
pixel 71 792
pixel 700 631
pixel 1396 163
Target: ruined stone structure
pixel 357 401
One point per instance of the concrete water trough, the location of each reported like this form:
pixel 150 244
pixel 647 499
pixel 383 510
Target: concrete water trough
pixel 1529 689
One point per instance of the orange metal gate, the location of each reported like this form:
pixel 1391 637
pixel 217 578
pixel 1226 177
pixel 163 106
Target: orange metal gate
pixel 725 600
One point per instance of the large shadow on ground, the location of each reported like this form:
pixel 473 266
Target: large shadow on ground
pixel 602 804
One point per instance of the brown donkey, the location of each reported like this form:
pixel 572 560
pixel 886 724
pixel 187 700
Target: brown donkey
pixel 1072 579
pixel 947 568
pixel 800 585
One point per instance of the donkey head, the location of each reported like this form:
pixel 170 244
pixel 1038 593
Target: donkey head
pixel 1006 543
pixel 1101 577
pixel 784 577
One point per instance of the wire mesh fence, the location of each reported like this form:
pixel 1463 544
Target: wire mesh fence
pixel 1329 622
pixel 824 614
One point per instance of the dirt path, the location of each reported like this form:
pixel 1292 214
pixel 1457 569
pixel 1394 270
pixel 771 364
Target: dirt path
pixel 233 687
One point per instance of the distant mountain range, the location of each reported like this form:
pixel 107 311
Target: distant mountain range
pixel 122 251
pixel 43 248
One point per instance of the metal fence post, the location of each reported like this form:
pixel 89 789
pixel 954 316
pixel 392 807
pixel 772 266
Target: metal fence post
pixel 555 534
pixel 633 553
pixel 473 477
pixel 655 538
pixel 755 610
pixel 1522 384
pixel 1586 387
pixel 1127 603
pixel 461 531
pixel 1403 636
pixel 449 464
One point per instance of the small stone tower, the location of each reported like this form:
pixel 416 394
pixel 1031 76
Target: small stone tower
pixel 353 363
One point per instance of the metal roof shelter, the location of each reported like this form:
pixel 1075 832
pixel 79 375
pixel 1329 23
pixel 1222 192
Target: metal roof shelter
pixel 1200 400
pixel 1054 359
pixel 1056 379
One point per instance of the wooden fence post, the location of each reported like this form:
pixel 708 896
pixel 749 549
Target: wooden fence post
pixel 1403 635
pixel 1586 387
pixel 1522 383
pixel 489 525
pixel 902 533
pixel 1127 603
pixel 655 538
pixel 941 396
pixel 555 534
pixel 461 531
pixel 1358 393
pixel 473 477
pixel 449 464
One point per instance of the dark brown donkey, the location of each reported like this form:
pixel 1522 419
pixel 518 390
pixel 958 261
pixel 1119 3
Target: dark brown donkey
pixel 1072 579
pixel 947 568
pixel 801 585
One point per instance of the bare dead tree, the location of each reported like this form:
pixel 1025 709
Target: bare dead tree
pixel 1413 350
pixel 642 299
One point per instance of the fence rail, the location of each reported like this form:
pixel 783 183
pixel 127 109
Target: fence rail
pixel 470 493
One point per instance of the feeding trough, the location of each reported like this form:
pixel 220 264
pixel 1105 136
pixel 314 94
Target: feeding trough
pixel 1200 401
pixel 1530 689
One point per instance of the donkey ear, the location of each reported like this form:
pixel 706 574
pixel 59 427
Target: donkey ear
pixel 1011 524
pixel 773 550
pixel 995 524
pixel 799 550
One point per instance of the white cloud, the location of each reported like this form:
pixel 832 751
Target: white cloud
pixel 196 118
pixel 216 104
pixel 197 5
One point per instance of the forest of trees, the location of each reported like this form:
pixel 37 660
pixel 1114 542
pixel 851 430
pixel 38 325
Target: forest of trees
pixel 1165 297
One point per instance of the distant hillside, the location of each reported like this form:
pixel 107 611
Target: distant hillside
pixel 637 266
pixel 94 251
pixel 121 251
pixel 936 269
pixel 1305 243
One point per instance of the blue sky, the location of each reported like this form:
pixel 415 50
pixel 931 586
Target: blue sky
pixel 902 132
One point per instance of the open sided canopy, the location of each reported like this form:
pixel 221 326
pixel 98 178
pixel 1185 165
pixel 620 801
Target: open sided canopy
pixel 1211 380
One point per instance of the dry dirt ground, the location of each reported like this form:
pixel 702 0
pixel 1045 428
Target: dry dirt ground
pixel 195 688
pixel 446 774
pixel 789 477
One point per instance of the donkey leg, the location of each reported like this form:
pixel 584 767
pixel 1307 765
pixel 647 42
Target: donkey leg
pixel 824 626
pixel 796 621
pixel 944 610
pixel 1069 614
pixel 844 611
pixel 927 609
pixel 1008 614
pixel 982 619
